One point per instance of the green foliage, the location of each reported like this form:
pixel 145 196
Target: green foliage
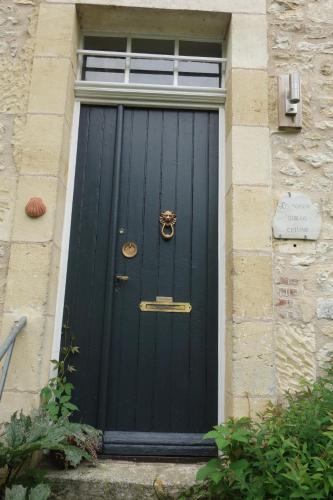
pixel 57 395
pixel 47 431
pixel 25 435
pixel 287 453
pixel 19 492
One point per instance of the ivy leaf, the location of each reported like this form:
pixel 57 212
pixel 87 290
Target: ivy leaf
pixel 71 406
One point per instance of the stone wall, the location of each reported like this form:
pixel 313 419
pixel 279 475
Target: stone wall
pixel 18 23
pixel 37 94
pixel 300 36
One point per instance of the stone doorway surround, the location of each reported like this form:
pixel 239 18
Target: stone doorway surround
pixel 36 244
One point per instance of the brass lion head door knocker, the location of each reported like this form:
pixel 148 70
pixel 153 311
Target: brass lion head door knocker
pixel 168 220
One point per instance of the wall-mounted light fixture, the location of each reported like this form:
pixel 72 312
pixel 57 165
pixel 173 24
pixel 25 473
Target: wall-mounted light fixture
pixel 290 101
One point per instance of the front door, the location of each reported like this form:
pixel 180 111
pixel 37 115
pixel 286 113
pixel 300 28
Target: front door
pixel 141 295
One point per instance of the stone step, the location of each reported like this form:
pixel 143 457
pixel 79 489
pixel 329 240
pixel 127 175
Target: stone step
pixel 120 479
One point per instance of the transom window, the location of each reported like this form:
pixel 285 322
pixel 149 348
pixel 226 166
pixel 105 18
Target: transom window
pixel 148 61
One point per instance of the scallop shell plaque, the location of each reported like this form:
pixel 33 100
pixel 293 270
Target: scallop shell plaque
pixel 35 207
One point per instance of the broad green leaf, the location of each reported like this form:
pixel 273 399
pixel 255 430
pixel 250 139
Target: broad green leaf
pixel 16 492
pixel 40 492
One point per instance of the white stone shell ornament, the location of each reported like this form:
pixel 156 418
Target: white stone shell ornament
pixel 35 207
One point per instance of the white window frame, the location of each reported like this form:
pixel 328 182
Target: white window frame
pixel 159 95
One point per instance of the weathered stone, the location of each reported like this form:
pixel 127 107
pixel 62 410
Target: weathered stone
pixel 325 308
pixel 122 480
pixel 315 160
pixel 252 287
pixel 324 355
pixel 291 169
pixel 326 69
pixel 302 260
pixel 295 355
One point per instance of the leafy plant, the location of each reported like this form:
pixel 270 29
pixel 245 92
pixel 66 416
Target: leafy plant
pixel 287 453
pixel 24 436
pixel 19 492
pixel 56 396
pixel 47 431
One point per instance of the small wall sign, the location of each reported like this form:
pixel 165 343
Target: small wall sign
pixel 296 218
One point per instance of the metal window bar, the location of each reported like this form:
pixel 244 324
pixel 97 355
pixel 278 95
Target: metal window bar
pixel 127 56
pixel 137 55
pixel 6 349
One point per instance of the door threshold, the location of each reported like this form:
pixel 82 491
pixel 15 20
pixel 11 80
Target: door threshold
pixel 157 444
pixel 154 459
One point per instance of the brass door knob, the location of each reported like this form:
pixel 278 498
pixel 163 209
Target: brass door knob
pixel 121 277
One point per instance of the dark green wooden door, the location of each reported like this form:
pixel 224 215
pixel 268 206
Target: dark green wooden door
pixel 148 379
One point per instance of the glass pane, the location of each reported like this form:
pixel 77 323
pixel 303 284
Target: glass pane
pixel 199 74
pixel 109 43
pixel 104 69
pixel 192 73
pixel 200 49
pixel 103 76
pixel 198 80
pixel 151 46
pixel 153 71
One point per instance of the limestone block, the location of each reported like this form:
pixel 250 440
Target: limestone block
pixel 249 41
pixel 228 220
pixel 56 32
pixel 27 282
pixel 53 281
pixel 295 355
pixel 42 151
pixel 25 376
pixel 252 282
pixel 16 401
pixel 46 351
pixel 7 197
pixel 247 101
pixel 253 367
pixel 40 229
pixel 229 285
pixel 249 407
pixel 251 340
pixel 14 84
pixel 228 406
pixel 228 374
pixel 250 159
pixel 51 88
pixel 59 221
pixel 65 152
pixel 259 6
pixel 252 209
pixel 120 479
pixel 7 126
pixel 4 259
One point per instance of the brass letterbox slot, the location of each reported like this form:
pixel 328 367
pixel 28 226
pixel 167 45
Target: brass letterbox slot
pixel 165 304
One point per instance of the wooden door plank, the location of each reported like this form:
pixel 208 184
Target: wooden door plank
pixel 149 264
pixel 199 291
pixel 211 399
pixel 86 275
pixel 165 277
